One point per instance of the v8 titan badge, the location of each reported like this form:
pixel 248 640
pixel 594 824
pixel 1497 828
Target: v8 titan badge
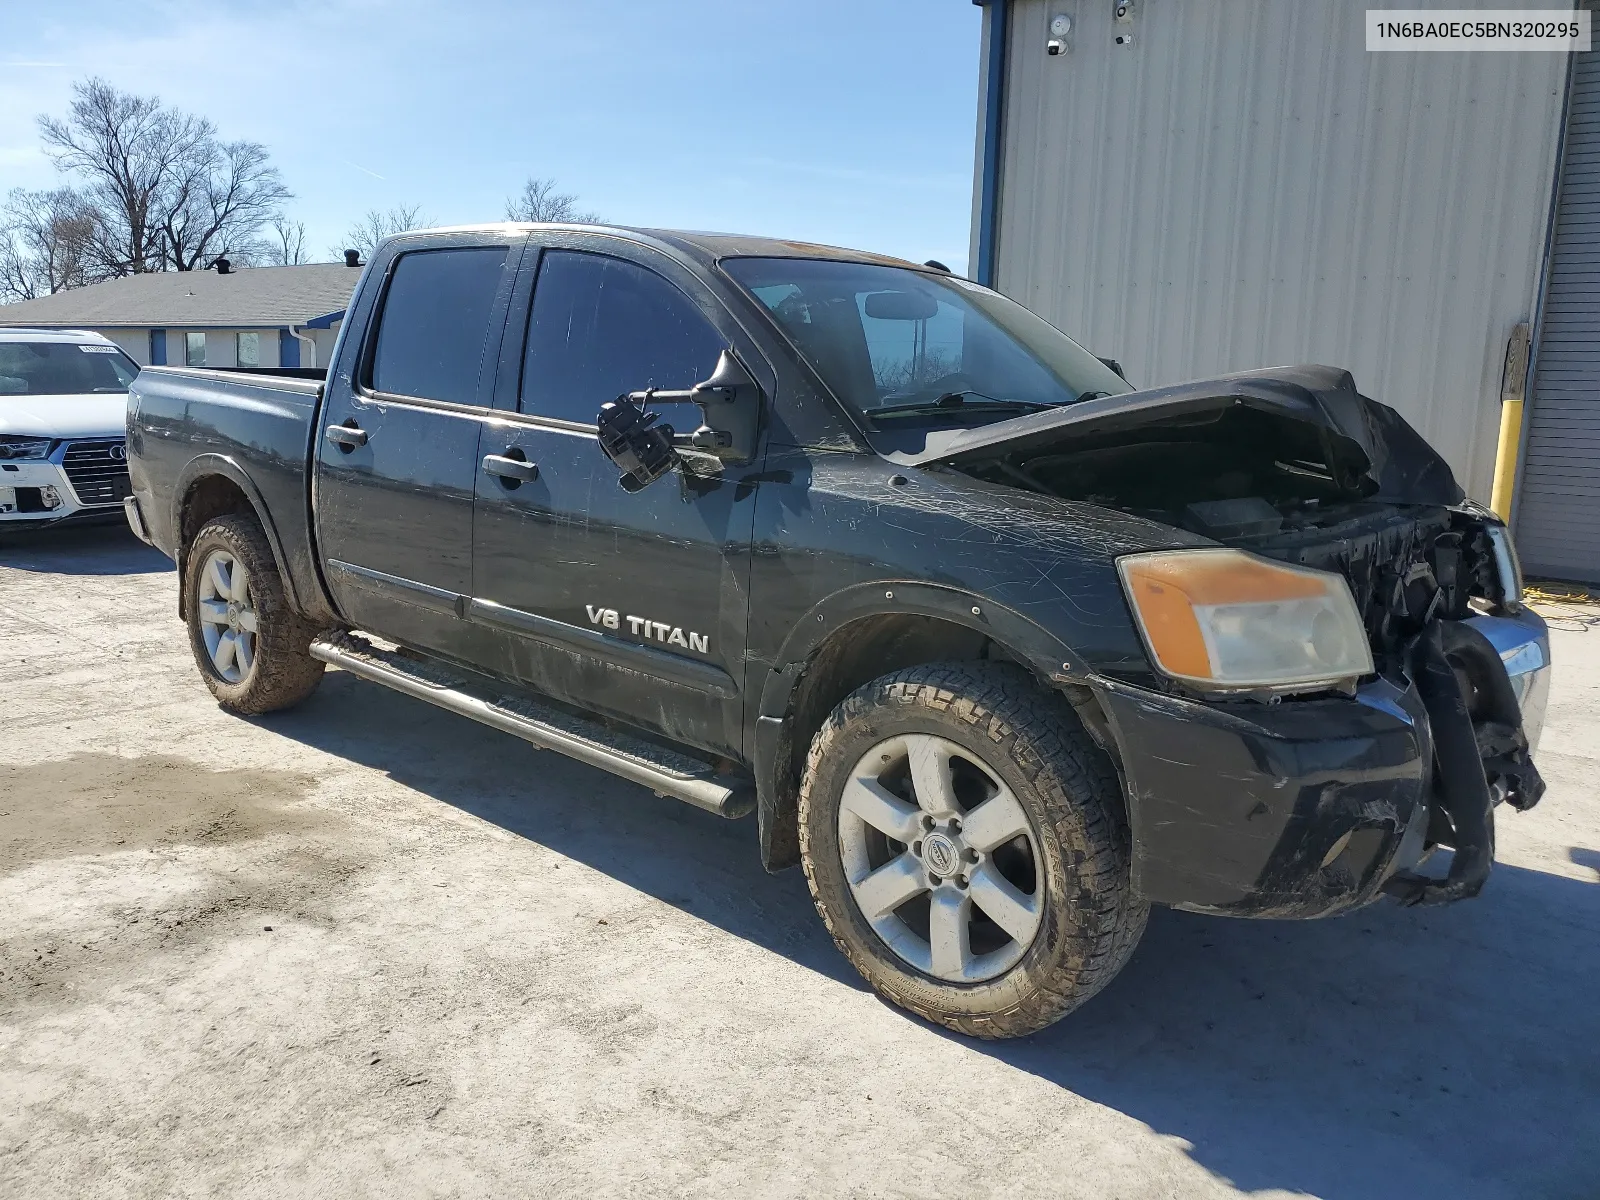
pixel 660 631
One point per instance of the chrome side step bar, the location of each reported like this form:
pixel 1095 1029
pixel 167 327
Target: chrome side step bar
pixel 665 772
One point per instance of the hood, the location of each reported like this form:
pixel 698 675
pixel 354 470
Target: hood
pixel 1312 413
pixel 95 415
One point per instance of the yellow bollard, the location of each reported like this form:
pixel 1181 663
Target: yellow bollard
pixel 1505 458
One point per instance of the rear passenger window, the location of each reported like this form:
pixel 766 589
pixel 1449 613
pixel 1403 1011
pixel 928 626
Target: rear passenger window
pixel 435 323
pixel 602 326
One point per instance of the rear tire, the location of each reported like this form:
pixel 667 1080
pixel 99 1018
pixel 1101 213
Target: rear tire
pixel 1028 910
pixel 250 645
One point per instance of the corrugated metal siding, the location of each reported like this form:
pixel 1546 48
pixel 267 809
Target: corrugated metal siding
pixel 1558 511
pixel 1247 186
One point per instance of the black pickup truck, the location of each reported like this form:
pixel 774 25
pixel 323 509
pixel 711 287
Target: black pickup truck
pixel 1001 650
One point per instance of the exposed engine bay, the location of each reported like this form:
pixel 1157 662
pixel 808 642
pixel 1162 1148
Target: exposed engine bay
pixel 1295 466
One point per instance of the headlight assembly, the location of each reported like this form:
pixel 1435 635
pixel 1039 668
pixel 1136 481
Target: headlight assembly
pixel 1225 619
pixel 1507 566
pixel 12 447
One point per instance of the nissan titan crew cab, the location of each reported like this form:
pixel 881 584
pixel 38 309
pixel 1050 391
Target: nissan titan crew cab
pixel 999 649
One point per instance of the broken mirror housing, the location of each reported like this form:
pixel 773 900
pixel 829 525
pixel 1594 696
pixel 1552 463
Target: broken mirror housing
pixel 730 417
pixel 630 438
pixel 1227 619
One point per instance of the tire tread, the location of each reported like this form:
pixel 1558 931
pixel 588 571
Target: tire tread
pixel 1007 707
pixel 285 672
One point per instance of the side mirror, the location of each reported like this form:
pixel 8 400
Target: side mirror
pixel 730 411
pixel 1117 367
pixel 636 445
pixel 730 417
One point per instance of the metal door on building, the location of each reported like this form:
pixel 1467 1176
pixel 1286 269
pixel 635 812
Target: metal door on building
pixel 1558 510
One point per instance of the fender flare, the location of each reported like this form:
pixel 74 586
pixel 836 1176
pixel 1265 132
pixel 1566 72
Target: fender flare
pixel 203 466
pixel 772 746
pixel 1047 654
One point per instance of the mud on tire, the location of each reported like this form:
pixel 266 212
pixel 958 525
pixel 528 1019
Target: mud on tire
pixel 1031 741
pixel 282 672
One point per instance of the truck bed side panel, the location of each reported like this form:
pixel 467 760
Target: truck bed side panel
pixel 185 425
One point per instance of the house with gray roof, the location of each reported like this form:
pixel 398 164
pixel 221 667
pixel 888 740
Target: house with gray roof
pixel 224 317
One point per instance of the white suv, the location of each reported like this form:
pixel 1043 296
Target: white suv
pixel 63 440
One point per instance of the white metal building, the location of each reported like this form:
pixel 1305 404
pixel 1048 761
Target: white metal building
pixel 1242 184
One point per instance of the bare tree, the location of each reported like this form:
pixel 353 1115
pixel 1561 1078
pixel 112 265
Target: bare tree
pixel 366 233
pixel 47 242
pixel 132 152
pixel 539 201
pixel 168 193
pixel 287 245
pixel 226 193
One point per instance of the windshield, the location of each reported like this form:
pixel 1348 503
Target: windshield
pixel 902 344
pixel 63 369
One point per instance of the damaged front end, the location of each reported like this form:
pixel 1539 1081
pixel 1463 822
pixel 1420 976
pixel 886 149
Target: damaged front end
pixel 1308 799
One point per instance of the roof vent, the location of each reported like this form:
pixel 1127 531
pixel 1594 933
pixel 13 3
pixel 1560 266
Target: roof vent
pixel 352 258
pixel 223 266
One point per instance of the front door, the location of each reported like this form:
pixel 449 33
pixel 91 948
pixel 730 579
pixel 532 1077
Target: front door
pixel 632 605
pixel 397 450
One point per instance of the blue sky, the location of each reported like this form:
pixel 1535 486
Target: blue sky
pixel 847 121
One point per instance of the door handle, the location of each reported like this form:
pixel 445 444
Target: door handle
pixel 346 437
pixel 515 470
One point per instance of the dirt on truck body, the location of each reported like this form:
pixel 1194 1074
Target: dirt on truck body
pixel 998 648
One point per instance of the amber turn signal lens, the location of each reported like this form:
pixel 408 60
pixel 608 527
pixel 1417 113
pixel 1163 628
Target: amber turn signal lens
pixel 1229 619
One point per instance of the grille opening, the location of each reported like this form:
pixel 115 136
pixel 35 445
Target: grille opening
pixel 98 471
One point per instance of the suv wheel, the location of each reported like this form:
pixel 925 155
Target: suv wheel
pixel 250 646
pixel 965 844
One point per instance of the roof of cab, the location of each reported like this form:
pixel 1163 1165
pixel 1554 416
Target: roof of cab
pixel 739 245
pixel 697 244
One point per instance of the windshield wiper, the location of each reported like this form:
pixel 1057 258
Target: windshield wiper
pixel 968 398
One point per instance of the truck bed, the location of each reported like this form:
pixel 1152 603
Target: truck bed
pixel 253 426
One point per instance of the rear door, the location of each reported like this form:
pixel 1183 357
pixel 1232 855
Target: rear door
pixel 398 449
pixel 631 605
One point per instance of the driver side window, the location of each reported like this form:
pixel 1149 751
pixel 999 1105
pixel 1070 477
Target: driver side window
pixel 602 326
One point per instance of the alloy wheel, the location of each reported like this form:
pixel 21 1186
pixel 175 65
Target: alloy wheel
pixel 941 858
pixel 228 619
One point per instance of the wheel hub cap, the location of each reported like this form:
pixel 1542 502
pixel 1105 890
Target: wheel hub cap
pixel 941 854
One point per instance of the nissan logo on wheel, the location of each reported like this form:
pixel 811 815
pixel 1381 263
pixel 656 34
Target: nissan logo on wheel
pixel 118 453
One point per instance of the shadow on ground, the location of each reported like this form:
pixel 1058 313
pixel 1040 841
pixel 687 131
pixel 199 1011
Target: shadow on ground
pixel 1394 1052
pixel 109 549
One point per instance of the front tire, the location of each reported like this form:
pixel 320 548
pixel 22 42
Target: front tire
pixel 965 845
pixel 250 645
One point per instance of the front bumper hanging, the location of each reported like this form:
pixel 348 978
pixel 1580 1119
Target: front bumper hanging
pixel 1314 807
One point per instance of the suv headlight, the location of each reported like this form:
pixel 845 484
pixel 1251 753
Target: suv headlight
pixel 1227 619
pixel 23 447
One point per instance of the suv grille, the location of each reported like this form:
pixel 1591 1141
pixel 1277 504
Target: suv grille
pixel 96 476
